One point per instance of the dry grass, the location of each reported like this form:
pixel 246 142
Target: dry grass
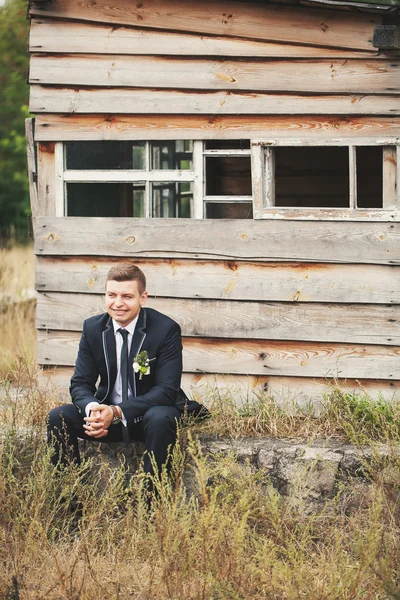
pixel 236 538
pixel 17 270
pixel 348 415
pixel 17 316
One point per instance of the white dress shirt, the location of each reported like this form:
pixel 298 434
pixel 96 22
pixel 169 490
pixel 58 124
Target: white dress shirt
pixel 116 394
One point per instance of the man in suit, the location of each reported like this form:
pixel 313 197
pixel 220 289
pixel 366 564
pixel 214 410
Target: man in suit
pixel 126 405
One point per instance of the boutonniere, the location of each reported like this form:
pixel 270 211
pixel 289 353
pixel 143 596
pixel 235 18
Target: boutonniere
pixel 141 364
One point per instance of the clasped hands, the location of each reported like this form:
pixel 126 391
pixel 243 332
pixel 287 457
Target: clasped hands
pixel 97 424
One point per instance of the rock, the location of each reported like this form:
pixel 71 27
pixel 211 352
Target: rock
pixel 266 460
pixel 309 474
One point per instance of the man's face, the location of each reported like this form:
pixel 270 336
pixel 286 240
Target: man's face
pixel 123 301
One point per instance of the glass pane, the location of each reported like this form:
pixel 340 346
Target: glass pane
pixel 228 176
pixel 105 155
pixel 227 144
pixel 312 177
pixel 171 199
pixel 138 199
pixel 229 210
pixel 174 154
pixel 369 176
pixel 105 199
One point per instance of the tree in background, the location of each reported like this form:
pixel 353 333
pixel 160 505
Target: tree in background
pixel 14 93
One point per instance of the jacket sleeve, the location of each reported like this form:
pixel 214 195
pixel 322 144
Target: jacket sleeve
pixel 167 377
pixel 83 381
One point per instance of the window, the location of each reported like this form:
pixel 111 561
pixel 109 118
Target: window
pixel 226 179
pixel 128 179
pixel 331 176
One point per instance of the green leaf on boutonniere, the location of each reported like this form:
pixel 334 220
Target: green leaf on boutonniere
pixel 141 364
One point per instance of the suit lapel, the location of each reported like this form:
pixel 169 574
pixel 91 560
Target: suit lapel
pixel 136 346
pixel 110 354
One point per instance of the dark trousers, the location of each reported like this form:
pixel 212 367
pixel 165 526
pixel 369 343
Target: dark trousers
pixel 157 429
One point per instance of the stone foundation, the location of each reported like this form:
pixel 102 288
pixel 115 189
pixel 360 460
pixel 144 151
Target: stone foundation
pixel 313 472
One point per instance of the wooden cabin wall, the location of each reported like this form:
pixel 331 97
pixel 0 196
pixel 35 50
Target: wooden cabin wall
pixel 281 305
pixel 251 302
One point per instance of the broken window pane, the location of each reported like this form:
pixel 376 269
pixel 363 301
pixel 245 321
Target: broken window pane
pixel 228 176
pixel 369 176
pixel 310 177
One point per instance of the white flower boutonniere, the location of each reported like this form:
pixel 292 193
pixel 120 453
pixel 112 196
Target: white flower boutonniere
pixel 141 364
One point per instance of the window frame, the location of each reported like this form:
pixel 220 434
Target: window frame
pixel 148 176
pixel 263 180
pixel 220 199
pixel 263 183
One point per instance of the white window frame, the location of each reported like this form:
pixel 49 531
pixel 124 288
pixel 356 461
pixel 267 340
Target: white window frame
pixel 263 180
pixel 147 176
pixel 223 199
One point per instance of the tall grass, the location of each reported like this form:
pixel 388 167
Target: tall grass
pixel 17 312
pixel 229 536
pixel 350 415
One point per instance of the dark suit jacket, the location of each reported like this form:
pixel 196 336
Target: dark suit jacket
pixel 154 332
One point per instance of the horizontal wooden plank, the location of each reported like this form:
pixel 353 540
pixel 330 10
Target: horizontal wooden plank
pixel 216 389
pixel 44 99
pixel 51 127
pixel 291 359
pixel 351 76
pixel 363 324
pixel 52 35
pixel 239 19
pixel 301 241
pixel 287 391
pixel 234 280
pixel 328 214
pixel 254 357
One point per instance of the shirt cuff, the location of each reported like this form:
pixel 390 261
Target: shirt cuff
pixel 92 405
pixel 123 420
pixel 89 407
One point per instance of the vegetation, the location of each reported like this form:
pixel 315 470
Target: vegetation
pixel 85 534
pixel 234 538
pixel 349 415
pixel 17 311
pixel 14 64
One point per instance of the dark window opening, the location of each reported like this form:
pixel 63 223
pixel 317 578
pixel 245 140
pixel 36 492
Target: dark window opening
pixel 103 199
pixel 168 199
pixel 228 176
pixel 229 210
pixel 369 176
pixel 227 144
pixel 309 177
pixel 105 155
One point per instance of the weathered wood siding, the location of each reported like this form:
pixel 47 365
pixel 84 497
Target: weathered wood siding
pixel 280 304
pixel 230 58
pixel 240 313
